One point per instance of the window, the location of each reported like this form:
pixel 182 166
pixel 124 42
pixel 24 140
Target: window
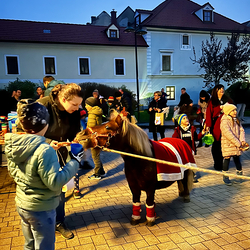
pixel 84 66
pixel 113 33
pixel 12 65
pixel 166 63
pixel 119 66
pixel 185 42
pixel 49 65
pixel 170 91
pixel 207 15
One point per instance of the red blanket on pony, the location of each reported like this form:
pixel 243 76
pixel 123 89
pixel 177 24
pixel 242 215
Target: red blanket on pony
pixel 172 150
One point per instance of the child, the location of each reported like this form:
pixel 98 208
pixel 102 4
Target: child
pixel 95 118
pixel 187 133
pixel 232 139
pixel 175 115
pixel 35 168
pixel 84 164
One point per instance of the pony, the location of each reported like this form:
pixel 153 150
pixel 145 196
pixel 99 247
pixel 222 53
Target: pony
pixel 120 134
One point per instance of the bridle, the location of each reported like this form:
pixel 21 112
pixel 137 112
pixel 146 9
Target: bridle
pixel 96 135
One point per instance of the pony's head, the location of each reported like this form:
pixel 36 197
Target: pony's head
pixel 101 134
pixel 127 134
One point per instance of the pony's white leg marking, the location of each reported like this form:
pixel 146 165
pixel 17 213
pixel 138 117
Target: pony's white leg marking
pixel 136 211
pixel 150 213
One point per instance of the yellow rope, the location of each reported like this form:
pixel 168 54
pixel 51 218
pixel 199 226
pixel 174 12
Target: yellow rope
pixel 176 164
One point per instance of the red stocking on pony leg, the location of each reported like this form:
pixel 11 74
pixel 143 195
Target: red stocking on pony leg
pixel 151 215
pixel 136 216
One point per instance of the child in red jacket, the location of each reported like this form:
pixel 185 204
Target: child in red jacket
pixel 187 132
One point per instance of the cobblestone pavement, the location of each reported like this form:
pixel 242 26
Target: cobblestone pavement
pixel 218 216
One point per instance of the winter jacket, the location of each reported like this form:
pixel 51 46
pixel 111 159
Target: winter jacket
pixel 94 117
pixel 185 99
pixel 51 85
pixel 178 134
pixel 232 135
pixel 35 168
pixel 203 105
pixel 154 105
pixel 214 115
pixel 63 126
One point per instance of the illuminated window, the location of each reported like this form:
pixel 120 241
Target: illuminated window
pixel 170 91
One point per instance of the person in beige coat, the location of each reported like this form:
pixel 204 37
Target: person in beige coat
pixel 232 139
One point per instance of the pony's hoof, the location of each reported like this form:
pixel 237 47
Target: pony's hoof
pixel 134 222
pixel 186 199
pixel 150 223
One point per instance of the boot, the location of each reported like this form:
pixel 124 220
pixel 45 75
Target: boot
pixel 238 181
pixel 226 179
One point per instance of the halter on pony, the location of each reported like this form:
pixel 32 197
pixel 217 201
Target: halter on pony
pixel 96 135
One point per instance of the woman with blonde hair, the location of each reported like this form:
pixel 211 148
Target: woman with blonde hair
pixel 156 106
pixel 63 105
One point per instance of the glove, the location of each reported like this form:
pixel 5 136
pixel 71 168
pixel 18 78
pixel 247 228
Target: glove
pixel 77 157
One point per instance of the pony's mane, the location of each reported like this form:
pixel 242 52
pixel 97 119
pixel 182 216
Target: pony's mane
pixel 136 137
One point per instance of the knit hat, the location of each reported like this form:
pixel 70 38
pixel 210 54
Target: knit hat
pixel 82 112
pixel 91 101
pixel 33 116
pixel 227 108
pixel 118 94
pixel 180 118
pixel 111 99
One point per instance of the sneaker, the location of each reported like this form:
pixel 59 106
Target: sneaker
pixel 103 175
pixel 64 231
pixel 85 165
pixel 227 181
pixel 76 194
pixel 238 180
pixel 94 177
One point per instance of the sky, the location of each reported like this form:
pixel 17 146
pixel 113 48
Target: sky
pixel 80 11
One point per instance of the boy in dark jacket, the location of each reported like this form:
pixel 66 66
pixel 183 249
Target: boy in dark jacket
pixel 187 133
pixel 35 168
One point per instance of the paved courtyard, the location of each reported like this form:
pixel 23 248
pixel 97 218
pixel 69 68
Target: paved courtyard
pixel 218 216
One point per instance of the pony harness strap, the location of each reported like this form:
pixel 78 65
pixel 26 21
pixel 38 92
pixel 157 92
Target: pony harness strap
pixel 172 150
pixel 97 135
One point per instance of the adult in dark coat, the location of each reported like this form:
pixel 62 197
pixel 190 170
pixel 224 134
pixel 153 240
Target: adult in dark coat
pixel 156 106
pixel 127 98
pixel 241 99
pixel 213 118
pixel 184 98
pixel 63 106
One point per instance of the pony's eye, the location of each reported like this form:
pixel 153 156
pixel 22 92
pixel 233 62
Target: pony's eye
pixel 107 127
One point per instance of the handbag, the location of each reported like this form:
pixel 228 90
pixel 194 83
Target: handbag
pixel 208 138
pixel 159 119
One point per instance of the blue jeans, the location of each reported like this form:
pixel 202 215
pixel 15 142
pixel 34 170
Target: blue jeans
pixel 60 210
pixel 241 109
pixel 38 229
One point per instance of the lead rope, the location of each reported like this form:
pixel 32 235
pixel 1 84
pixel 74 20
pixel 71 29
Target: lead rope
pixel 175 164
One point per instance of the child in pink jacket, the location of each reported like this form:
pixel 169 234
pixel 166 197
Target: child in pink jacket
pixel 232 139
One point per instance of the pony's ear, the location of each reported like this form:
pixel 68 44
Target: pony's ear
pixel 119 120
pixel 124 112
